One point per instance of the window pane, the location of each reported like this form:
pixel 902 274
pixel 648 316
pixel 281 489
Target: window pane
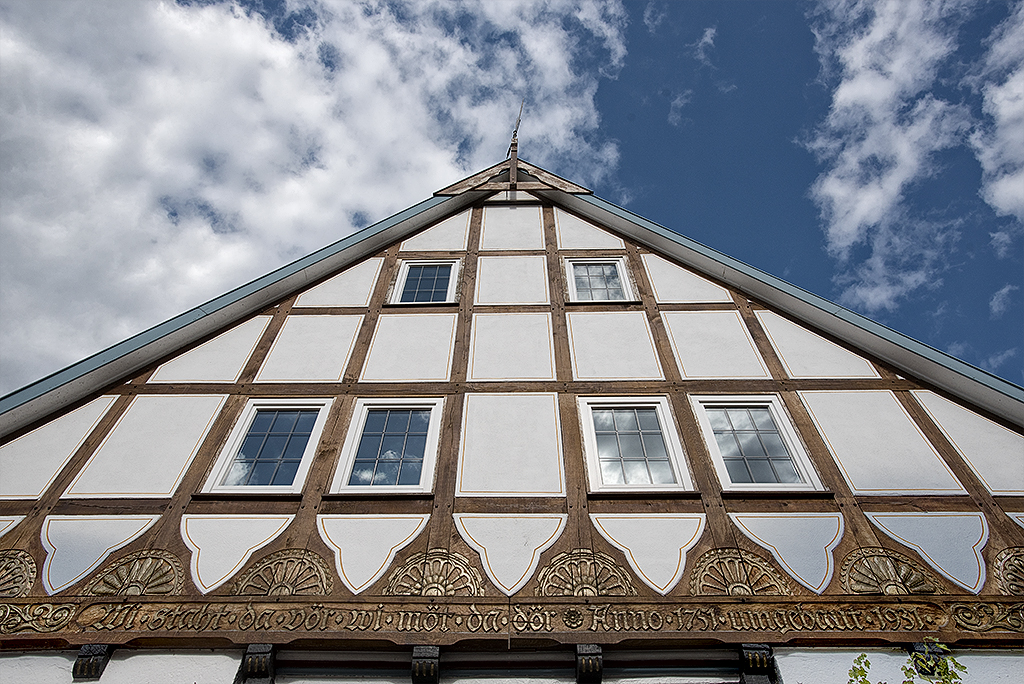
pixel 648 420
pixel 727 445
pixel 737 470
pixel 273 447
pixel 654 445
pixel 410 474
pixel 761 470
pixel 362 473
pixel 753 430
pixel 393 453
pixel 611 472
pixel 369 447
pixel 286 473
pixel 426 283
pixel 398 421
pixel 631 448
pixel 375 421
pixel 629 445
pixel 661 472
pixel 251 446
pixel 625 419
pixel 750 445
pixel 740 419
pixel 238 473
pixel 296 446
pixel 603 421
pixel 262 473
pixel 718 419
pixel 774 445
pixel 387 473
pixel 636 472
pixel 785 471
pixel 262 421
pixel 607 447
pixel 392 447
pixel 415 445
pixel 762 419
pixel 420 422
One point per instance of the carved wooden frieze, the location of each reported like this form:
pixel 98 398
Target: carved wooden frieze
pixel 877 570
pixel 454 619
pixel 289 572
pixel 1009 571
pixel 17 573
pixel 584 572
pixel 437 572
pixel 145 573
pixel 735 572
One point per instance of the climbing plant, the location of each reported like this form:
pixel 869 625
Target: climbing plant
pixel 939 664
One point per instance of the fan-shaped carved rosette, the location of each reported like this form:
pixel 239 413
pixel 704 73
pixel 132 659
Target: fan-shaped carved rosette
pixel 1010 571
pixel 437 572
pixel 735 572
pixel 584 572
pixel 876 570
pixel 143 573
pixel 17 573
pixel 289 572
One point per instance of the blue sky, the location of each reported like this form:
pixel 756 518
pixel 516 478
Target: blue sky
pixel 156 154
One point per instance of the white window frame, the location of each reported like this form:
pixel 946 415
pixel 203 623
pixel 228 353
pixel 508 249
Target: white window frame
pixel 241 430
pixel 673 445
pixel 795 446
pixel 403 272
pixel 628 291
pixel 355 433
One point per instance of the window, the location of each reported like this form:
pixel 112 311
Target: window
pixel 426 282
pixel 271 447
pixel 598 280
pixel 391 446
pixel 753 445
pixel 631 443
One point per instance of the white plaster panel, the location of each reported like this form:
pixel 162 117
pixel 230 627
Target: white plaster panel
pixel 832 666
pixel 512 228
pixel 30 463
pixel 219 360
pixel 411 348
pixel 513 346
pixel 9 522
pixel 129 666
pixel 674 284
pixel 995 454
pixel 77 544
pixel 352 287
pixel 311 349
pixel 510 545
pixel 802 543
pixel 221 544
pixel 713 344
pixel 150 447
pixel 450 235
pixel 807 355
pixel 512 280
pixel 877 445
pixel 612 345
pixel 950 542
pixel 575 233
pixel 655 544
pixel 512 196
pixel 37 667
pixel 491 463
pixel 365 545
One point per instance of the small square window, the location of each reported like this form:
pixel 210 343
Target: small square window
pixel 598 280
pixel 631 443
pixel 391 446
pixel 426 282
pixel 270 447
pixel 753 445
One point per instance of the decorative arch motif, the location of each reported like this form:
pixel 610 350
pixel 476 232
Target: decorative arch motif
pixel 735 572
pixel 1009 569
pixel 584 572
pixel 17 573
pixel 438 572
pixel 289 572
pixel 143 573
pixel 877 570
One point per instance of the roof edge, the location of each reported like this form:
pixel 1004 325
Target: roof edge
pixel 990 392
pixel 77 381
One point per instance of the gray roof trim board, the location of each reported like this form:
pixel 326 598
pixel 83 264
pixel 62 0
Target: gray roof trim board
pixel 79 380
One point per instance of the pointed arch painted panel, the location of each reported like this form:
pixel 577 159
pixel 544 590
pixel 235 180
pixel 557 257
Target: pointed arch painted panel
pixel 9 522
pixel 29 464
pixel 673 284
pixel 949 542
pixel 219 360
pixel 77 544
pixel 351 287
pixel 713 345
pixel 807 355
pixel 655 544
pixel 365 545
pixel 512 228
pixel 450 235
pixel 222 544
pixel 575 233
pixel 510 545
pixel 148 451
pixel 995 454
pixel 802 543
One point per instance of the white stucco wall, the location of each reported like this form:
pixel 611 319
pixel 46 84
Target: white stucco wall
pixel 832 666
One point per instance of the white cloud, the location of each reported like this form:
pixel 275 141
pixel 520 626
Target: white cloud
pixel 999 141
pixel 994 362
pixel 1000 302
pixel 654 14
pixel 675 110
pixel 157 155
pixel 703 46
pixel 880 138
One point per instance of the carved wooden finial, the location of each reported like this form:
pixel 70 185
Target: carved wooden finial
pixel 513 149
